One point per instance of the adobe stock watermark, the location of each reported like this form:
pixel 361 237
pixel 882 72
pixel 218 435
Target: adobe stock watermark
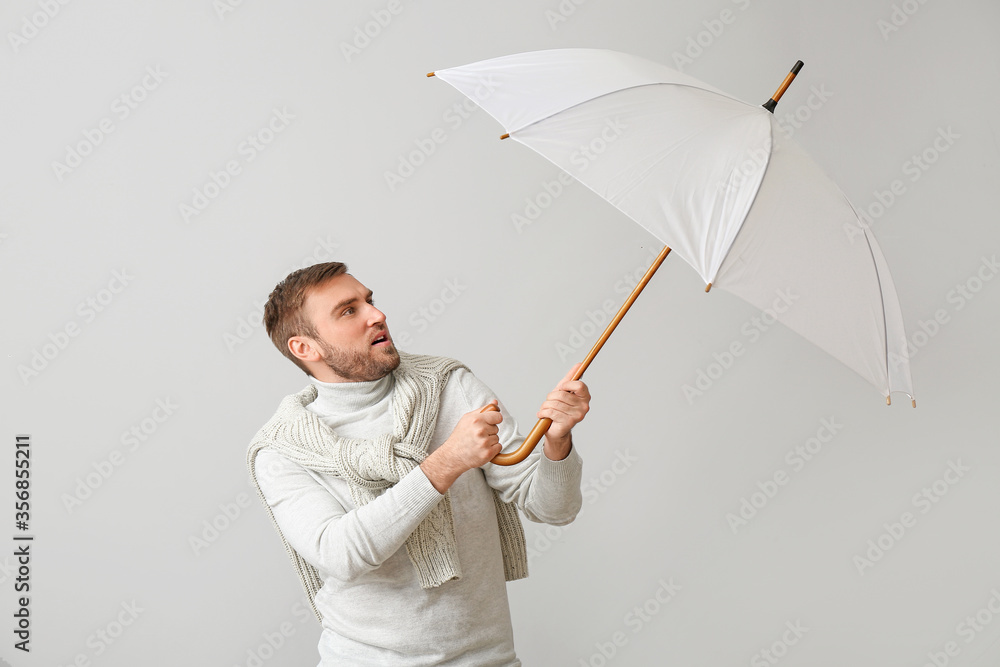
pixel 796 458
pixel 32 24
pixel 635 620
pixel 107 634
pixel 924 501
pixel 914 167
pixel 958 297
pixel 562 12
pixel 224 7
pixel 968 630
pixel 247 151
pixel 898 17
pixel 60 339
pixel 755 163
pixel 595 320
pixel 132 439
pixel 581 158
pixel 121 108
pixel 271 642
pixel 253 321
pixel 534 206
pixel 213 528
pixel 772 655
pixel 428 313
pixel 751 331
pixel 593 490
pixel 408 162
pixel 366 33
pixel 794 120
pixel 703 40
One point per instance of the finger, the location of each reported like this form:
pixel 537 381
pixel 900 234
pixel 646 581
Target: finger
pixel 574 407
pixel 559 401
pixel 571 373
pixel 559 425
pixel 557 411
pixel 565 419
pixel 570 396
pixel 492 417
pixel 573 386
pixel 568 399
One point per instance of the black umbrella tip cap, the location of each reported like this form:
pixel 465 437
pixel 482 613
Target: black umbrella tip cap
pixel 797 67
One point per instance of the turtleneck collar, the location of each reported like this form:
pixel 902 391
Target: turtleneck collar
pixel 342 399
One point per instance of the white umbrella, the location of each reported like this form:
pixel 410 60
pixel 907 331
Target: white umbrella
pixel 710 177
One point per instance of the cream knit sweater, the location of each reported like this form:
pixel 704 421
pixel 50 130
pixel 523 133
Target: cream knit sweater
pixel 373 609
pixel 370 466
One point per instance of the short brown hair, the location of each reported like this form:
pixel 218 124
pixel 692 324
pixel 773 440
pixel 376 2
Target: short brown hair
pixel 283 317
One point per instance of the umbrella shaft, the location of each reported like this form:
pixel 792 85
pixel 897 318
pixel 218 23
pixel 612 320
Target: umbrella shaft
pixel 621 311
pixel 535 436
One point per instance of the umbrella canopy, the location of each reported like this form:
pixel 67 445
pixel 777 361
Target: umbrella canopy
pixel 709 176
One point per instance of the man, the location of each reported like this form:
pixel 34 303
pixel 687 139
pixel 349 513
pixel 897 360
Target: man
pixel 384 450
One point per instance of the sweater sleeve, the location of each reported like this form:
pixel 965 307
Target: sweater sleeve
pixel 336 541
pixel 546 491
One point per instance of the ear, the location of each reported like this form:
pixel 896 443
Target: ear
pixel 304 348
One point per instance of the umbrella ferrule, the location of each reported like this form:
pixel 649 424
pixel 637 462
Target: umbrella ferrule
pixel 773 102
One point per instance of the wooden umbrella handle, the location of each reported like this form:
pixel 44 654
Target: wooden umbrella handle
pixel 529 444
pixel 535 436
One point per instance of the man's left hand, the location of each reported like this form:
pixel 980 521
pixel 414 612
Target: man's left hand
pixel 566 406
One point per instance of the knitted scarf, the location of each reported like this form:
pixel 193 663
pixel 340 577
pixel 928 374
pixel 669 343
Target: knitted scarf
pixel 371 466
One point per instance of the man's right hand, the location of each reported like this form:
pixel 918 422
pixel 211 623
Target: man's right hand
pixel 473 443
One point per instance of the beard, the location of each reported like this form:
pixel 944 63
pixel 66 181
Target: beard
pixel 357 366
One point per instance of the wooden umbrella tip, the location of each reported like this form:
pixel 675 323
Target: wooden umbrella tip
pixel 708 287
pixel 504 136
pixel 430 74
pixel 888 401
pixel 913 401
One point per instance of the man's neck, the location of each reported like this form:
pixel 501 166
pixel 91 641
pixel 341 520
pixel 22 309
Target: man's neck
pixel 336 398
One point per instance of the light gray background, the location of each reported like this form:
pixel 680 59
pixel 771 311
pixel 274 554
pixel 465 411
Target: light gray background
pixel 186 331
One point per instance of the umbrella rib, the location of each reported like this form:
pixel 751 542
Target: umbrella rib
pixel 621 195
pixel 614 92
pixel 885 323
pixel 881 297
pixel 749 210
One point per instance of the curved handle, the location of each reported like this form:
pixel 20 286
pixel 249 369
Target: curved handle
pixel 542 425
pixel 527 446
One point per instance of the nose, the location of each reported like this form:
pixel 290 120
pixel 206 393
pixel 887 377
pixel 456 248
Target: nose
pixel 375 316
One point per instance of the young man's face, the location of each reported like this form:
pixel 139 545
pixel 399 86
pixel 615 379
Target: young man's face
pixel 354 344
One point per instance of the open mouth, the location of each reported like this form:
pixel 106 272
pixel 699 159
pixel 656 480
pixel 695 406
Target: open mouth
pixel 382 339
